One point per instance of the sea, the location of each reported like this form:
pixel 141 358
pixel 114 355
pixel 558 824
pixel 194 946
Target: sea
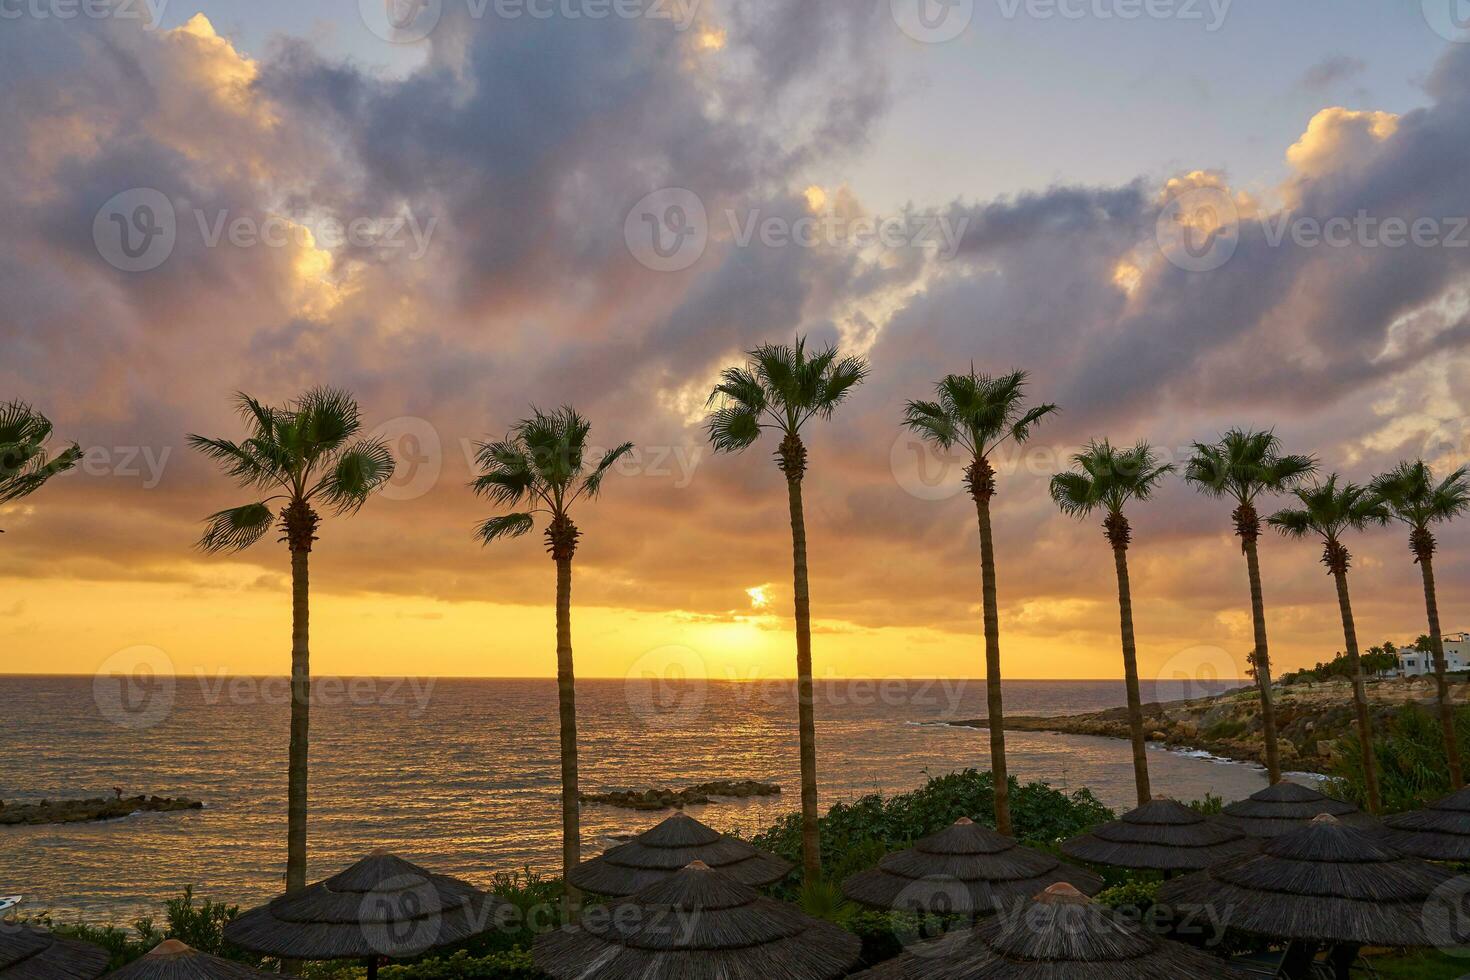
pixel 463 775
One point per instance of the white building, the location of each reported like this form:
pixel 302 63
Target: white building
pixel 1412 663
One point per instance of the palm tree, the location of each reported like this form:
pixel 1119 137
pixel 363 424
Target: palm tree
pixel 1107 480
pixel 25 465
pixel 1241 466
pixel 782 388
pixel 301 456
pixel 1414 498
pixel 1327 511
pixel 978 414
pixel 541 465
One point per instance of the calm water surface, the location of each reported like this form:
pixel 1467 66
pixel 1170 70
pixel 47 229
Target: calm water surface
pixel 463 774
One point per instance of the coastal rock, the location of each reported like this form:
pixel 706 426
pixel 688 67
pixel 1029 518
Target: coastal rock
pixel 1312 720
pixel 96 808
pixel 677 799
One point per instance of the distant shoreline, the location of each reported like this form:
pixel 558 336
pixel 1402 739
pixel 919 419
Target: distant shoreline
pixel 1312 718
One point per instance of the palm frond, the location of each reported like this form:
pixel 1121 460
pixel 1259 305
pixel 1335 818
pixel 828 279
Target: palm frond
pixel 1244 464
pixel 504 526
pixel 235 529
pixel 592 486
pixel 932 422
pixel 1074 493
pixel 358 472
pixel 25 462
pixel 1294 523
pixel 732 428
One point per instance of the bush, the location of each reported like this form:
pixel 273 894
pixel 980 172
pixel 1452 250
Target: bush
pixel 1410 756
pixel 855 835
pixel 201 927
pixel 510 964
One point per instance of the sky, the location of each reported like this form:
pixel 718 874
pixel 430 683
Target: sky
pixel 1177 215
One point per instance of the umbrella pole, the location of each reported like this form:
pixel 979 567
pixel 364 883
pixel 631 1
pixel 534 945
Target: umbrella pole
pixel 1341 959
pixel 372 965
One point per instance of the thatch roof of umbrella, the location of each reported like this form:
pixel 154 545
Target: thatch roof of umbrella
pixel 663 850
pixel 1060 935
pixel 35 954
pixel 1284 807
pixel 1162 835
pixel 697 924
pixel 1439 832
pixel 172 960
pixel 1325 882
pixel 966 869
pixel 380 906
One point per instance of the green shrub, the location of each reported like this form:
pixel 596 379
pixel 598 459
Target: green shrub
pixel 510 964
pixel 1410 756
pixel 855 835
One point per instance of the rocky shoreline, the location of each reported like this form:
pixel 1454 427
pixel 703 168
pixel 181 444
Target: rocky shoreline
pixel 677 799
pixel 85 811
pixel 1311 719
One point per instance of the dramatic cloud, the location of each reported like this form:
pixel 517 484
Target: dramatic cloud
pixel 450 243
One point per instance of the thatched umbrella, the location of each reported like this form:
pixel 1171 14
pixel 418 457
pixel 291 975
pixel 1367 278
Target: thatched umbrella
pixel 172 960
pixel 965 869
pixel 697 924
pixel 1327 882
pixel 1285 807
pixel 35 954
pixel 1061 934
pixel 1439 832
pixel 663 850
pixel 1161 835
pixel 382 906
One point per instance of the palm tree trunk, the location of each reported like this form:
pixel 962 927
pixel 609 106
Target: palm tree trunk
pixel 1360 696
pixel 811 842
pixel 1130 675
pixel 1442 687
pixel 300 721
pixel 1263 664
pixel 566 696
pixel 994 708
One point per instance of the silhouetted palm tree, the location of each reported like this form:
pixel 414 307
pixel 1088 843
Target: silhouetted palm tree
pixel 541 464
pixel 1242 466
pixel 304 455
pixel 25 464
pixel 1328 511
pixel 782 388
pixel 1107 480
pixel 1413 497
pixel 979 413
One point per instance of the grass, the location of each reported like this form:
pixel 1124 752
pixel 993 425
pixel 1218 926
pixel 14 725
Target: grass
pixel 1421 965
